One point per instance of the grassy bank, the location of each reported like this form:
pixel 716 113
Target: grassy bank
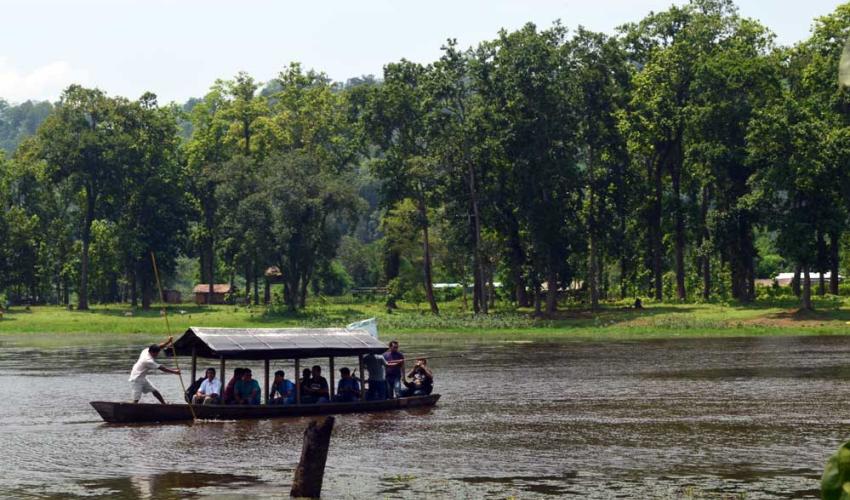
pixel 776 317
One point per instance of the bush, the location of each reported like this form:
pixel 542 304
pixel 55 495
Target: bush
pixel 332 279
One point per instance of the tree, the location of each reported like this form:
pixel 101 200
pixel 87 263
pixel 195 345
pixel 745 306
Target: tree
pixel 85 140
pixel 532 82
pixel 602 78
pixel 397 121
pixel 155 208
pixel 306 203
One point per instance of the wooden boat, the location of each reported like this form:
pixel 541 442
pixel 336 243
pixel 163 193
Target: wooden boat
pixel 154 412
pixel 265 344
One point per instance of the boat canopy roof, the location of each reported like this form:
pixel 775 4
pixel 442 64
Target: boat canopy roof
pixel 277 343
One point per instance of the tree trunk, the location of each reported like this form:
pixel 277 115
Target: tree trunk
pixel 655 231
pixel 247 284
pixel 291 292
pixel 676 175
pixel 256 285
pixel 807 289
pixel 834 261
pixel 302 295
pixel 551 292
pixel 392 264
pixel 592 283
pixel 516 261
pixel 705 257
pixel 537 299
pixel 83 292
pixel 426 258
pixel 822 263
pixel 134 295
pixel 592 268
pixel 267 292
pixel 477 264
pixel 795 281
pixel 147 292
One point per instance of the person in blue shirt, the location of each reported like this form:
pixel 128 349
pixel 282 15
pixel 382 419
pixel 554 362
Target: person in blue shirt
pixel 247 390
pixel 348 388
pixel 282 391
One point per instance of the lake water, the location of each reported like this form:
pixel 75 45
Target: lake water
pixel 695 418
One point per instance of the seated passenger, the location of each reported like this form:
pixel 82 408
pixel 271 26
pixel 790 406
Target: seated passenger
pixel 348 388
pixel 282 391
pixel 229 397
pixel 317 388
pixel 210 391
pixel 306 397
pixel 247 390
pixel 377 377
pixel 422 380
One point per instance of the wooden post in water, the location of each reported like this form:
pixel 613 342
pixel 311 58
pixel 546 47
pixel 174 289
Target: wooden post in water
pixel 331 368
pixel 314 454
pixel 266 386
pixel 362 378
pixel 297 381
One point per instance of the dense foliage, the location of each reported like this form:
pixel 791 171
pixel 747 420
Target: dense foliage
pixel 682 159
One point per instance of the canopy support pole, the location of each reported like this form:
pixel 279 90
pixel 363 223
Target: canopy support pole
pixel 297 381
pixel 194 365
pixel 266 381
pixel 221 378
pixel 331 368
pixel 362 378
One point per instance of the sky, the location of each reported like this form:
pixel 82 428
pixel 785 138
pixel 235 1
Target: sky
pixel 178 48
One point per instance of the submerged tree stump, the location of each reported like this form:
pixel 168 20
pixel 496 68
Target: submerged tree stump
pixel 311 468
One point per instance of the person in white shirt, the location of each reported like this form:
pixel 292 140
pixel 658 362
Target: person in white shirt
pixel 145 366
pixel 210 390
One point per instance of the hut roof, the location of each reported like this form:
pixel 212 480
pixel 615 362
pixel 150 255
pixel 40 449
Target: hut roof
pixel 217 288
pixel 277 343
pixel 273 272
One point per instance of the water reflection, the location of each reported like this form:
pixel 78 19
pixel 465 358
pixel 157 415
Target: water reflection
pixel 727 417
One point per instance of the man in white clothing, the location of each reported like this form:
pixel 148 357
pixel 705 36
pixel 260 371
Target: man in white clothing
pixel 145 366
pixel 210 390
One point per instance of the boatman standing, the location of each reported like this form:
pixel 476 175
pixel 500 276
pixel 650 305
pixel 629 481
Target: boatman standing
pixel 145 366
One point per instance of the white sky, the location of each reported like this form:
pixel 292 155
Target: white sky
pixel 177 48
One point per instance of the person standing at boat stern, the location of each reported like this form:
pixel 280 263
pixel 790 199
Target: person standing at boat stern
pixel 376 365
pixel 395 369
pixel 145 366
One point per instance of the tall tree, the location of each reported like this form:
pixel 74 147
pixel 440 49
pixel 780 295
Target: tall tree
pixel 602 78
pixel 397 119
pixel 86 140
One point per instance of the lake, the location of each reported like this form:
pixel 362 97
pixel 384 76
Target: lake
pixel 753 417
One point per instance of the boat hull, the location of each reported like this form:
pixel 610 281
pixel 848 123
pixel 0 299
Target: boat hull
pixel 114 412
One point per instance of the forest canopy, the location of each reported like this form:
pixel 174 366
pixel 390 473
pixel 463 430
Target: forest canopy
pixel 683 158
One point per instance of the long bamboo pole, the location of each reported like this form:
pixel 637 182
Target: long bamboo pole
pixel 168 329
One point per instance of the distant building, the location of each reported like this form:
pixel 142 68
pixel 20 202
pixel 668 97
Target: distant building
pixel 785 279
pixel 220 292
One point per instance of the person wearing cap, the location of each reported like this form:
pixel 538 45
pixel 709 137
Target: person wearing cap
pixel 145 366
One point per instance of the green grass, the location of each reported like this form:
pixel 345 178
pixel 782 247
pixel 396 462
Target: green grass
pixel 49 324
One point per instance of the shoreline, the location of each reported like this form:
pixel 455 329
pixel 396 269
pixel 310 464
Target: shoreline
pixel 53 325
